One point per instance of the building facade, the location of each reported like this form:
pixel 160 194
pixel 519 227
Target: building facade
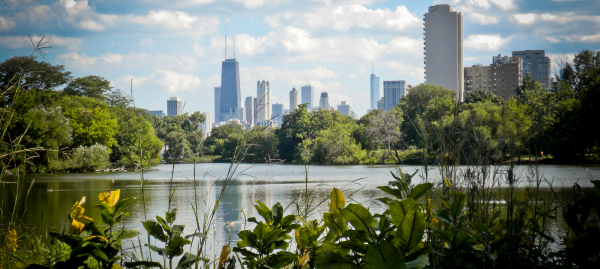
pixel 293 99
pixel 263 107
pixel 217 103
pixel 392 92
pixel 249 105
pixel 501 78
pixel 158 113
pixel 206 126
pixel 537 64
pixel 230 96
pixel 344 108
pixel 307 92
pixel 375 93
pixel 381 103
pixel 277 114
pixel 324 101
pixel 174 107
pixel 443 45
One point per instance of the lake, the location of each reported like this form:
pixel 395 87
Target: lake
pixel 52 196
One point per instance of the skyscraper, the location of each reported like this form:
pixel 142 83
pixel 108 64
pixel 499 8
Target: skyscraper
pixel 307 92
pixel 293 99
pixel 381 103
pixel 174 107
pixel 263 107
pixel 217 103
pixel 158 113
pixel 206 126
pixel 324 101
pixel 277 114
pixel 344 109
pixel 443 44
pixel 374 91
pixel 230 97
pixel 392 92
pixel 537 64
pixel 249 104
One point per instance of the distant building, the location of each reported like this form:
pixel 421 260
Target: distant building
pixel 174 107
pixel 293 99
pixel 206 126
pixel 443 44
pixel 307 92
pixel 158 113
pixel 537 64
pixel 353 115
pixel 375 93
pixel 344 109
pixel 381 103
pixel 249 104
pixel 277 114
pixel 230 96
pixel 501 78
pixel 263 108
pixel 324 101
pixel 217 103
pixel 392 92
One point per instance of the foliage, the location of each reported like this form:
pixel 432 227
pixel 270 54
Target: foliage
pixel 137 146
pixel 90 120
pixel 29 73
pixel 483 96
pixel 90 86
pixel 181 135
pixel 90 158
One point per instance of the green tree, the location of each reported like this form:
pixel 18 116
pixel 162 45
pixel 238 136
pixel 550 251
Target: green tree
pixel 90 120
pixel 482 96
pixel 177 147
pixel 32 74
pixel 332 145
pixel 295 128
pixel 137 145
pixel 116 98
pixel 90 86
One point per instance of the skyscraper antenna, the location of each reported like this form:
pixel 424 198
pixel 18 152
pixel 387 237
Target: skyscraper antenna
pixel 233 45
pixel 372 68
pixel 225 43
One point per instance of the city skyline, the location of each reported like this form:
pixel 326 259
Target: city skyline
pixel 177 49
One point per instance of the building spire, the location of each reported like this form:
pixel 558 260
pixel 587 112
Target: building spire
pixel 225 43
pixel 234 46
pixel 372 68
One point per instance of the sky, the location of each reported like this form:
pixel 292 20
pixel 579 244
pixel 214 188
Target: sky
pixel 175 48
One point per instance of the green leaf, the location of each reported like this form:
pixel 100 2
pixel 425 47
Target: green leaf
pixel 288 220
pixel 95 230
pixel 126 234
pixel 419 190
pixel 248 254
pixel 171 216
pixel 282 259
pixel 399 209
pixel 277 211
pixel 335 222
pixel 178 228
pixel 410 232
pixel 163 223
pixel 333 260
pixel 358 216
pixel 445 201
pixel 445 235
pixel 386 200
pixel 442 214
pixel 249 238
pixel 159 251
pixel 419 263
pixel 98 254
pixel 272 236
pixel 354 244
pixel 155 230
pixel 395 192
pixel 462 240
pixel 143 263
pixel 264 212
pixel 384 255
pixel 198 234
pixel 188 260
pixel 121 203
pixel 175 246
pixel 457 206
pixel 72 240
pixel 324 247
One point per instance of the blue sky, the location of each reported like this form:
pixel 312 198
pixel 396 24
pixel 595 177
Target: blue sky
pixel 175 48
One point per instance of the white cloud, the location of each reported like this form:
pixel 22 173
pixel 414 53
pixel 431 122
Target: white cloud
pixel 6 24
pixel 175 82
pixel 130 61
pixel 73 59
pixel 552 39
pixel 198 50
pixel 91 25
pixel 484 42
pixel 130 80
pixel 526 19
pixel 18 42
pixel 590 38
pixel 146 41
pixel 482 18
pixel 74 7
pixel 251 3
pixel 504 4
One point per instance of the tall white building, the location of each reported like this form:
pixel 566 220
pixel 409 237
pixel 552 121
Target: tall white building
pixel 443 44
pixel 293 99
pixel 375 93
pixel 249 104
pixel 392 92
pixel 324 101
pixel 307 92
pixel 217 103
pixel 263 106
pixel 174 107
pixel 206 126
pixel 277 114
pixel 344 109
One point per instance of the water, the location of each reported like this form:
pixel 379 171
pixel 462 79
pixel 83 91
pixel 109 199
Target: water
pixel 52 196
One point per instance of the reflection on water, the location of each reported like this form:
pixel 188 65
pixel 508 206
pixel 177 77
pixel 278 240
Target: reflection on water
pixel 53 195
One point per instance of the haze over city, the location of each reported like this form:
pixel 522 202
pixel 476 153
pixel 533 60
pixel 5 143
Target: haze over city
pixel 176 49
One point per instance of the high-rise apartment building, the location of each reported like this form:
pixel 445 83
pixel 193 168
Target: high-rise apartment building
pixel 502 77
pixel 206 126
pixel 293 99
pixel 375 93
pixel 324 101
pixel 537 64
pixel 443 45
pixel 263 107
pixel 392 92
pixel 158 113
pixel 277 114
pixel 217 103
pixel 174 107
pixel 344 108
pixel 230 96
pixel 249 104
pixel 381 103
pixel 307 92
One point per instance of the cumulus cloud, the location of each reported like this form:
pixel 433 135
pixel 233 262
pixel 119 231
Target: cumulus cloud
pixel 347 17
pixel 504 4
pixel 132 60
pixel 18 42
pixel 146 41
pixel 484 42
pixel 198 50
pixel 171 81
pixel 482 18
pixel 91 25
pixel 6 24
pixel 526 19
pixel 590 38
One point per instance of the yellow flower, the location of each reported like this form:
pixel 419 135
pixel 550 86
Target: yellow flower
pixel 11 240
pixel 421 245
pixel 434 221
pixel 448 183
pixel 111 198
pixel 76 227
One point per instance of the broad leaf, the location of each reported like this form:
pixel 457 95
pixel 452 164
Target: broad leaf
pixel 410 232
pixel 143 263
pixel 171 216
pixel 395 192
pixel 419 190
pixel 358 216
pixel 282 259
pixel 384 256
pixel 333 260
pixel 110 198
pixel 399 209
pixel 419 263
pixel 175 247
pixel 155 230
pixel 457 206
pixel 188 260
pixel 337 200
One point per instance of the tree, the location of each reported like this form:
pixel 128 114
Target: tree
pixel 137 145
pixel 31 74
pixel 90 86
pixel 178 148
pixel 482 96
pixel 91 121
pixel 295 128
pixel 116 98
pixel 332 145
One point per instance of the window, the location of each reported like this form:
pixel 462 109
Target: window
pixel 483 75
